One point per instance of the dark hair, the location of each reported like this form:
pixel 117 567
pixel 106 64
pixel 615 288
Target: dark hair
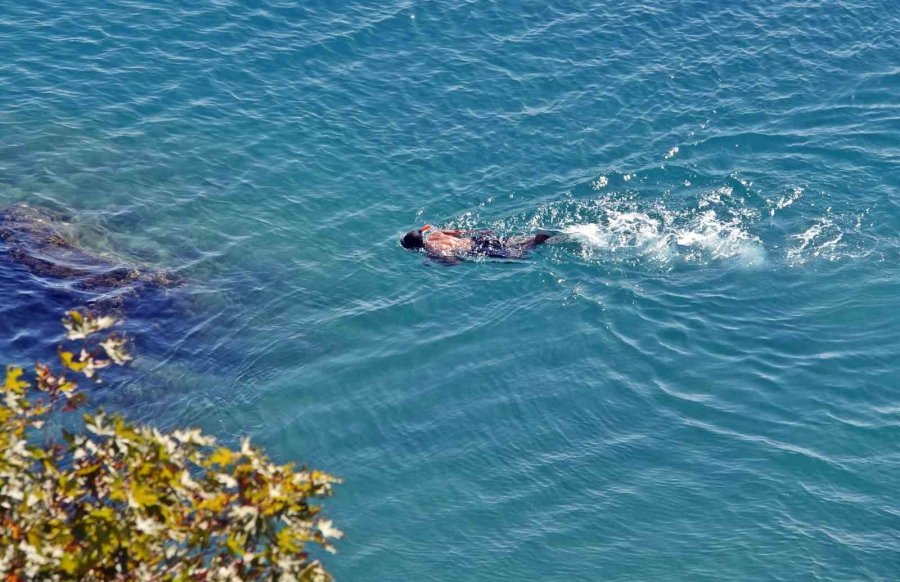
pixel 412 240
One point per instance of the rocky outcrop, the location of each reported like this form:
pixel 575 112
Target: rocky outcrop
pixel 31 237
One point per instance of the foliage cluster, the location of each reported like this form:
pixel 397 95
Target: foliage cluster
pixel 119 501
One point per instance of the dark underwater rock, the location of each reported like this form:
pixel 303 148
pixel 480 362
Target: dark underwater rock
pixel 31 237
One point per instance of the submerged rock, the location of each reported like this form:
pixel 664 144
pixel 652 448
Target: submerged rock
pixel 31 237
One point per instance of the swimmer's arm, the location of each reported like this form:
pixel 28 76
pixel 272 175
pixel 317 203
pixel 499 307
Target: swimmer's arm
pixel 459 232
pixel 454 232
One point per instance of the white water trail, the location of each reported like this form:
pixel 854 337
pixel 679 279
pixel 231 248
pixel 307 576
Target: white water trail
pixel 666 236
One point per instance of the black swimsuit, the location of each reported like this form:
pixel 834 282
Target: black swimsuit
pixel 487 246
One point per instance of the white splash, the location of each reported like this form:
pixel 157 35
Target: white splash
pixel 627 234
pixel 668 236
pixel 671 153
pixel 821 240
pixel 708 236
pixel 784 201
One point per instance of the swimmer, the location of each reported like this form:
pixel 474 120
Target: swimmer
pixel 448 245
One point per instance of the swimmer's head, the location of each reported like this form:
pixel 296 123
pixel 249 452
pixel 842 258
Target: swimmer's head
pixel 412 241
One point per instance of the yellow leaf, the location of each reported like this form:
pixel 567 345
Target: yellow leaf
pixel 116 493
pixel 221 457
pixel 68 360
pixel 88 470
pixel 285 541
pixel 233 545
pixel 143 496
pixel 103 514
pixel 214 504
pixel 13 383
pixel 69 564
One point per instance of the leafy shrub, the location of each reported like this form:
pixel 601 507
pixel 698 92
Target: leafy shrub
pixel 121 501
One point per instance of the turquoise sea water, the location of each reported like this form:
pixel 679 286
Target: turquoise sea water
pixel 702 383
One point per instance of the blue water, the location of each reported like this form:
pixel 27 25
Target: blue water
pixel 699 382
